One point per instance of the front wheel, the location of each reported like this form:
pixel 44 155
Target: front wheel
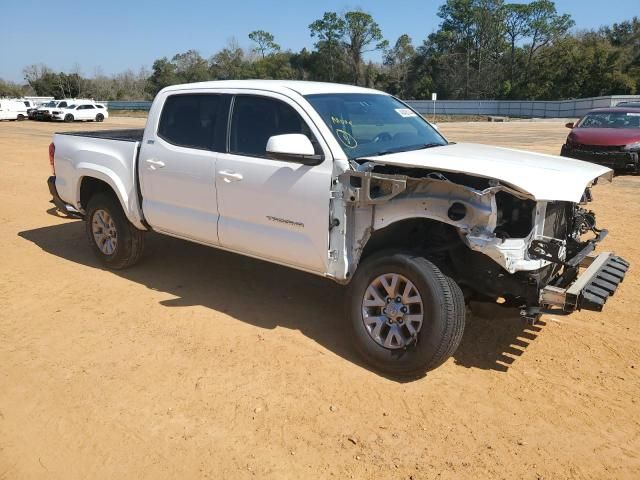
pixel 68 118
pixel 406 316
pixel 115 241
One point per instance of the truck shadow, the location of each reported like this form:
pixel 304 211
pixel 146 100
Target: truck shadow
pixel 268 295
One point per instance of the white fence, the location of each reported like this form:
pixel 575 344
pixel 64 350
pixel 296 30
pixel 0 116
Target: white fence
pixel 503 108
pixel 519 108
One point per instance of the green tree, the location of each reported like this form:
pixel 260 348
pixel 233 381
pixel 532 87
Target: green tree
pixel 190 67
pixel 544 26
pixel 516 23
pixel 265 42
pixel 329 31
pixel 163 74
pixel 467 51
pixel 361 34
pixel 399 60
pixel 274 66
pixel 10 89
pixel 230 63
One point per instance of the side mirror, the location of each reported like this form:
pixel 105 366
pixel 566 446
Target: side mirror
pixel 293 147
pixel 569 125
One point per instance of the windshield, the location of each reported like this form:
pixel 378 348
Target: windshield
pixel 367 124
pixel 51 104
pixel 610 120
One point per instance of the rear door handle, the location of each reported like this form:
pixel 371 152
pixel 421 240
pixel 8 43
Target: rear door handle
pixel 229 176
pixel 153 164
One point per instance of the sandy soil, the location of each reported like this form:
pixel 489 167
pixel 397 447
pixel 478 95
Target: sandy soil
pixel 203 364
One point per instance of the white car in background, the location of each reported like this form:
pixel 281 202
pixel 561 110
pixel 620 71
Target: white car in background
pixel 83 111
pixel 12 110
pixel 44 112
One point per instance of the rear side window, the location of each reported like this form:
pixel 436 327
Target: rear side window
pixel 191 120
pixel 62 104
pixel 255 119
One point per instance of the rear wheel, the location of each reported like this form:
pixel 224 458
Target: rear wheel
pixel 406 316
pixel 68 118
pixel 114 240
pixel 20 117
pixel 99 117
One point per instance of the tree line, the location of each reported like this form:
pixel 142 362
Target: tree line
pixel 482 49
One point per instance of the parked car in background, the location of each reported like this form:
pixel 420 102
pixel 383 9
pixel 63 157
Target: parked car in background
pixel 12 110
pixel 83 111
pixel 31 107
pixel 45 112
pixel 606 136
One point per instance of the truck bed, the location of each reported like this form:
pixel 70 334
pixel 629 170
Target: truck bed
pixel 124 135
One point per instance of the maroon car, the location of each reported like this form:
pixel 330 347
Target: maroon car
pixel 607 136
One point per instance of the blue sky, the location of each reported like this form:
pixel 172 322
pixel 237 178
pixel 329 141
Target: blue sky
pixel 115 35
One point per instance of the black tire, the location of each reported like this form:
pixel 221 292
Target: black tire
pixel 99 117
pixel 68 118
pixel 20 117
pixel 130 240
pixel 443 307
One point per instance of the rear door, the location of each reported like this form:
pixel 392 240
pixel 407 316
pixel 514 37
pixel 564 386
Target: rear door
pixel 273 209
pixel 86 112
pixel 177 166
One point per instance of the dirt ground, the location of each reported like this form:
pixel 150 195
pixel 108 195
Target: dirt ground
pixel 202 364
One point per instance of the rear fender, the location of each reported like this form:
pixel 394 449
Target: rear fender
pixel 129 202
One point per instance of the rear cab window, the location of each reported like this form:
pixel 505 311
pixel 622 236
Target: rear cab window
pixel 194 121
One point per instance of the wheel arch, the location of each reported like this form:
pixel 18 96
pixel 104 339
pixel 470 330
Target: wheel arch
pixel 95 182
pixel 413 233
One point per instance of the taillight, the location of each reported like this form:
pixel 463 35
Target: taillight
pixel 52 154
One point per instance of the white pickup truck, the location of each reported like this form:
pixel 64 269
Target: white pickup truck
pixel 351 184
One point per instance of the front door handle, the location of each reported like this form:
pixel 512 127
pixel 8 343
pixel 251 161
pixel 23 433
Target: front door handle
pixel 229 176
pixel 153 164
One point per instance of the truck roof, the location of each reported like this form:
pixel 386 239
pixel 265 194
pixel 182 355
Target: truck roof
pixel 281 86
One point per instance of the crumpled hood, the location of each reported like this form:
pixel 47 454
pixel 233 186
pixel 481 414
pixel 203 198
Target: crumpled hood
pixel 545 177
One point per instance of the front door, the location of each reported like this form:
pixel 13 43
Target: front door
pixel 273 209
pixel 177 166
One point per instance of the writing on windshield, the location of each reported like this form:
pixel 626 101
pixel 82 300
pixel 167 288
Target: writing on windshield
pixel 373 124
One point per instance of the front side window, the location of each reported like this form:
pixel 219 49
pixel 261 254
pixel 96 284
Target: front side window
pixel 190 120
pixel 369 124
pixel 62 104
pixel 255 119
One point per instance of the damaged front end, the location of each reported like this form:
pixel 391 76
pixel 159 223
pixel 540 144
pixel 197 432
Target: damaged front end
pixel 495 241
